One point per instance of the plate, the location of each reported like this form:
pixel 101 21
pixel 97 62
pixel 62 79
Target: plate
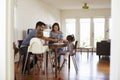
pixel 58 43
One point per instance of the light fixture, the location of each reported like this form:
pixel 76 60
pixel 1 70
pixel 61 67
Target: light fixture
pixel 85 6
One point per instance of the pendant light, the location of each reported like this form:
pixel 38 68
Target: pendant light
pixel 85 6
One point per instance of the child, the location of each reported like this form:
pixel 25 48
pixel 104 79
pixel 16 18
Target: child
pixel 70 48
pixel 39 34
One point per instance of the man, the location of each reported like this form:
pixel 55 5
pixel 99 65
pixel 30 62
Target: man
pixel 24 46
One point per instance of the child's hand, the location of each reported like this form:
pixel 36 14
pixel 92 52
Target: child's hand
pixel 65 41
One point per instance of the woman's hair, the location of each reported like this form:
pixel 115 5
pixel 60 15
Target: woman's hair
pixel 55 24
pixel 39 34
pixel 70 38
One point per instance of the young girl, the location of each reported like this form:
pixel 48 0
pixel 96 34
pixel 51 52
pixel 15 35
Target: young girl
pixel 70 48
pixel 39 34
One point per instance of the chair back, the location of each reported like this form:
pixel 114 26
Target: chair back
pixel 15 49
pixel 75 47
pixel 19 43
pixel 36 46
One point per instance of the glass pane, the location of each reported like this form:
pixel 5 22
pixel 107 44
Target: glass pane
pixel 110 25
pixel 99 26
pixel 85 32
pixel 70 26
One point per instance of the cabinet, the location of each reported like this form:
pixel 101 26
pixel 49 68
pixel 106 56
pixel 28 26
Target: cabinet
pixel 103 48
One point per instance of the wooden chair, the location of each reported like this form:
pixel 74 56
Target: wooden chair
pixel 76 42
pixel 15 49
pixel 73 55
pixel 20 53
pixel 15 52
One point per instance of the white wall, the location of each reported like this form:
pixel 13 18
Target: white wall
pixel 115 47
pixel 2 40
pixel 9 40
pixel 85 13
pixel 89 13
pixel 6 40
pixel 28 12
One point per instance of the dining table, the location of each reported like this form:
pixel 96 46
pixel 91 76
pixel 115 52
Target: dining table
pixel 56 46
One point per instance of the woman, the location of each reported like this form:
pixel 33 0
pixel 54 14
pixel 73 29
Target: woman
pixel 56 33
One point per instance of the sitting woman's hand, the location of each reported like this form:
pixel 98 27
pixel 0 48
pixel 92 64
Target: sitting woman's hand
pixel 55 40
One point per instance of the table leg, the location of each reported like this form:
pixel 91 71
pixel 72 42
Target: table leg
pixel 55 63
pixel 28 64
pixel 69 62
pixel 47 59
pixel 45 68
pixel 87 53
pixel 92 51
pixel 81 50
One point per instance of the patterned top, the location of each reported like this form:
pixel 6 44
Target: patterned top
pixel 58 36
pixel 70 47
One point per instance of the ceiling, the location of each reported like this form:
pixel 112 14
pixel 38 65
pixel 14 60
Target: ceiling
pixel 77 4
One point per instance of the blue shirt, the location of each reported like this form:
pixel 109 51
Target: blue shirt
pixel 26 41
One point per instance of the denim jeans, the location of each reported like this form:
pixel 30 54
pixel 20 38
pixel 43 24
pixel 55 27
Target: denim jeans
pixel 59 56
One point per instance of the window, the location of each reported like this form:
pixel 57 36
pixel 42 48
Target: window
pixel 85 32
pixel 70 26
pixel 99 29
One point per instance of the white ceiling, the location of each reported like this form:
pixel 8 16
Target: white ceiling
pixel 77 4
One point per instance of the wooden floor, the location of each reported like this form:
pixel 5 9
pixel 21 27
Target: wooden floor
pixel 91 68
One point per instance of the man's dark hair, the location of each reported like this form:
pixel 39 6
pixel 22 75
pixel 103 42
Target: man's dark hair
pixel 40 24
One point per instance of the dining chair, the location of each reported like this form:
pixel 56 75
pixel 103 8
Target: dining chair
pixel 76 43
pixel 36 47
pixel 20 52
pixel 73 55
pixel 15 52
pixel 15 49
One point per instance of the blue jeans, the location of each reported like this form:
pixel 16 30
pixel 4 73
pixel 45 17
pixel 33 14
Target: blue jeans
pixel 59 56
